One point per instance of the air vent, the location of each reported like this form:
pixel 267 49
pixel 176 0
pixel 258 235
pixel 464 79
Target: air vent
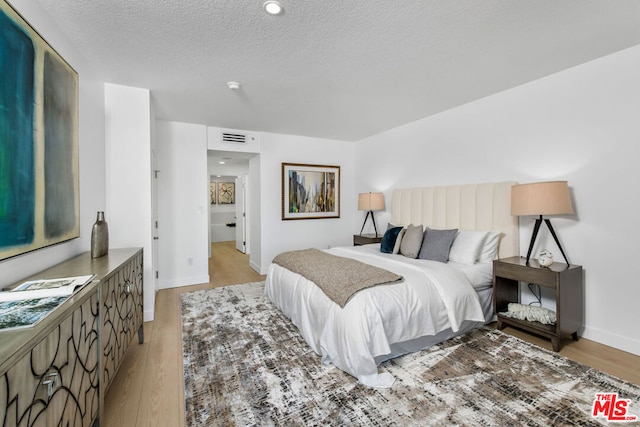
pixel 234 138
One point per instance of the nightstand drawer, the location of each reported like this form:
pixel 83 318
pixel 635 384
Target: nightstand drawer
pixel 539 276
pixel 365 239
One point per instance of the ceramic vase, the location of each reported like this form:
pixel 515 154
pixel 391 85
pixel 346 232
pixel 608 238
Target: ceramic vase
pixel 99 237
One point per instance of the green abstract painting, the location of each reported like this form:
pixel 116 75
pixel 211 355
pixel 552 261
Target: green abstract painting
pixel 39 189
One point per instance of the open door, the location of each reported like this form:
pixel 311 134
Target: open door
pixel 241 216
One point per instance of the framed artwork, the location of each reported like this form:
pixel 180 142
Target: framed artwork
pixel 310 191
pixel 212 192
pixel 39 182
pixel 226 193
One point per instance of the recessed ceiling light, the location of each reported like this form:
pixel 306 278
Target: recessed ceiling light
pixel 221 162
pixel 273 7
pixel 233 85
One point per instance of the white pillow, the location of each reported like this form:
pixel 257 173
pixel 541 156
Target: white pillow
pixel 466 246
pixel 489 250
pixel 396 247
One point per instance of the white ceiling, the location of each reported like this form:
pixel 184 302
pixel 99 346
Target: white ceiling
pixel 340 69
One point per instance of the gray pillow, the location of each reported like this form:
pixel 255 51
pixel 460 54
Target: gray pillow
pixel 436 244
pixel 411 241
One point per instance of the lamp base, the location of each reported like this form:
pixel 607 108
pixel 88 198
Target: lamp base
pixel 536 228
pixel 372 219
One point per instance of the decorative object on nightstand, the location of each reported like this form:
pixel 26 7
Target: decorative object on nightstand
pixel 569 296
pixel 539 199
pixel 545 258
pixel 370 202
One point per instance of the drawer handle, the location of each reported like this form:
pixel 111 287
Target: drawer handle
pixel 127 288
pixel 51 382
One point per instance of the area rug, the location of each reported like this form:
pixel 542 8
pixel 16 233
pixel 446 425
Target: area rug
pixel 246 364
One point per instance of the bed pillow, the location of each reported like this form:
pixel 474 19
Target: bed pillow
pixel 396 247
pixel 467 245
pixel 388 241
pixel 411 241
pixel 436 244
pixel 489 250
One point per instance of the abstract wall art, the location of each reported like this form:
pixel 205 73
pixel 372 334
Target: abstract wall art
pixel 212 192
pixel 226 193
pixel 310 191
pixel 39 188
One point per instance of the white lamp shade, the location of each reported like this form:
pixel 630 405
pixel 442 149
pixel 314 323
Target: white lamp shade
pixel 541 198
pixel 370 201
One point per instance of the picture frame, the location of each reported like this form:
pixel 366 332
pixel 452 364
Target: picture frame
pixel 40 172
pixel 226 193
pixel 212 192
pixel 310 191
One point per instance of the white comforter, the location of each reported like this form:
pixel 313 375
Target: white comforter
pixel 432 298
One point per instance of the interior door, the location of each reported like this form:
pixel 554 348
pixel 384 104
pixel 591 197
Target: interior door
pixel 241 230
pixel 154 219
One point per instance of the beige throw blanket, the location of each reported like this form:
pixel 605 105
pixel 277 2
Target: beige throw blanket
pixel 338 277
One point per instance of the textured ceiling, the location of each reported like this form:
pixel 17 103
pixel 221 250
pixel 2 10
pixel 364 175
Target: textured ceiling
pixel 340 69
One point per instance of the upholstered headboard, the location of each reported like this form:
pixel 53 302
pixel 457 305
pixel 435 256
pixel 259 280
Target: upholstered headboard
pixel 466 207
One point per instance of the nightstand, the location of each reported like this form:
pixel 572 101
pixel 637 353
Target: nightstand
pixel 565 279
pixel 365 239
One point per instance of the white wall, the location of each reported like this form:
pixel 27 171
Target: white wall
pixel 91 145
pixel 580 125
pixel 183 204
pixel 128 172
pixel 278 235
pixel 254 213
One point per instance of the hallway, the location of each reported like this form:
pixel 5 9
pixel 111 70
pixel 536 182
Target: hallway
pixel 148 390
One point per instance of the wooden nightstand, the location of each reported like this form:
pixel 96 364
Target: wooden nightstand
pixel 565 279
pixel 365 239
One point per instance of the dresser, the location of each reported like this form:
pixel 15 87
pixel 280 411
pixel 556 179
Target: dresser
pixel 58 371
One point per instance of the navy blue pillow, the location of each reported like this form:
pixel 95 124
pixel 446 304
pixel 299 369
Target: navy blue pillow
pixel 389 240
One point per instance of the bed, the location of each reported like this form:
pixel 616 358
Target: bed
pixel 433 301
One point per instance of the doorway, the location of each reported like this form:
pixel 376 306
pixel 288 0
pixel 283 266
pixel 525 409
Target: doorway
pixel 230 208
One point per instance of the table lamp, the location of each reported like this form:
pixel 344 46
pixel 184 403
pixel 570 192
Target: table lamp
pixel 370 202
pixel 539 199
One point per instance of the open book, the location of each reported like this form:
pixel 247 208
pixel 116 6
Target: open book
pixel 45 288
pixel 32 301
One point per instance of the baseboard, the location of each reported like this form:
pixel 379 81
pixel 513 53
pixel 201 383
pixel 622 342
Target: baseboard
pixel 257 268
pixel 185 281
pixel 620 342
pixel 148 315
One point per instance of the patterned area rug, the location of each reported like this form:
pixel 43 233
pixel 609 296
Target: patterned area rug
pixel 246 364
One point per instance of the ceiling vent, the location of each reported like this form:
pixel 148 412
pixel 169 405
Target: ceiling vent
pixel 234 138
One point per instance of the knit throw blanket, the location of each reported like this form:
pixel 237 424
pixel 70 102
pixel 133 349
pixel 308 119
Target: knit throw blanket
pixel 338 277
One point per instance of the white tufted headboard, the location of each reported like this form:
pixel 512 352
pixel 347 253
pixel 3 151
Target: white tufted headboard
pixel 466 207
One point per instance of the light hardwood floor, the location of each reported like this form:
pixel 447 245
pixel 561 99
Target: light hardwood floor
pixel 148 389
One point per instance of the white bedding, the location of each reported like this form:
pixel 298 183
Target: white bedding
pixel 378 323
